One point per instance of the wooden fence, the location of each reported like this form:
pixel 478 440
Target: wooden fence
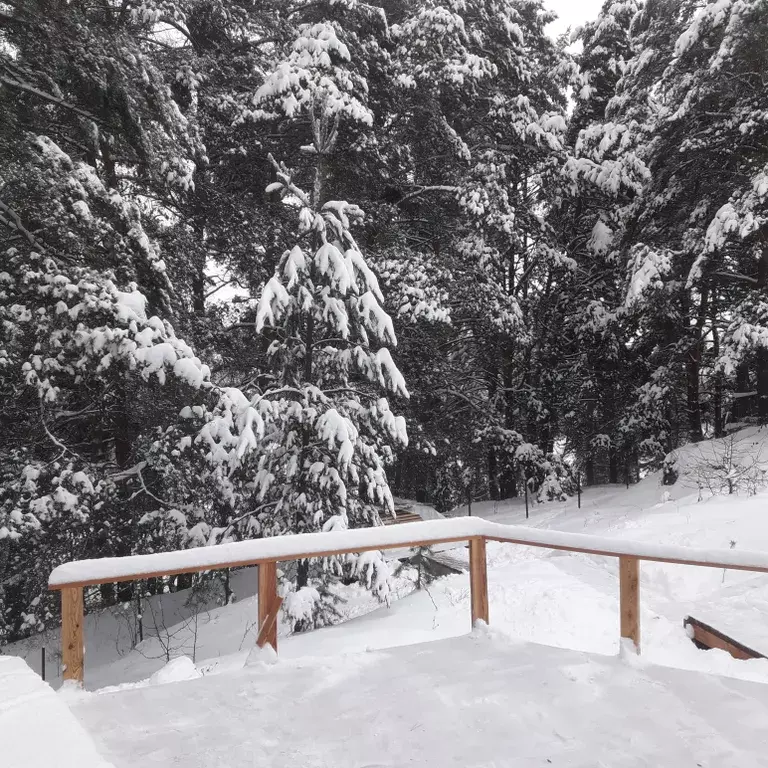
pixel 71 578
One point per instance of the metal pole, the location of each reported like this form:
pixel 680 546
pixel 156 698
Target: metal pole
pixel 578 487
pixel 42 665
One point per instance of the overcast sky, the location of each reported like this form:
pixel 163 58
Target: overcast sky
pixel 572 12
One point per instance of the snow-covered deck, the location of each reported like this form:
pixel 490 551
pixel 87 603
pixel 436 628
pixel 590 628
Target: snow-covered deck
pixel 472 701
pixel 37 728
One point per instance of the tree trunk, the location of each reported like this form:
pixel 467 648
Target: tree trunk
pixel 718 423
pixel 762 385
pixel 302 573
pixel 199 217
pixel 613 466
pixel 693 371
pixel 762 353
pixel 198 291
pixel 741 405
pixel 493 476
pixel 693 404
pixel 589 470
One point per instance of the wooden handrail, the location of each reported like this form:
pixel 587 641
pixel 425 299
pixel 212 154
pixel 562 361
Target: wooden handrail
pixel 85 573
pixel 71 578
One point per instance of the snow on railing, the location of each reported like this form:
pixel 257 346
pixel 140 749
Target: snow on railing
pixel 70 578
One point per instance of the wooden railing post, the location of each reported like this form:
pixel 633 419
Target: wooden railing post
pixel 478 579
pixel 629 599
pixel 269 605
pixel 72 633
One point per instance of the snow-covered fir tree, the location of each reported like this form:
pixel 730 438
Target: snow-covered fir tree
pixel 319 436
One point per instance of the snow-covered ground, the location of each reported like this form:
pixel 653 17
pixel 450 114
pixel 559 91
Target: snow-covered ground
pixel 478 700
pixel 560 599
pixel 565 600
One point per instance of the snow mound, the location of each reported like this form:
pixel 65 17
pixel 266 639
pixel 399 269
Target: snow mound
pixel 176 670
pixel 261 656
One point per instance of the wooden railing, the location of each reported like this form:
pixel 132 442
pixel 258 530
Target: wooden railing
pixel 71 578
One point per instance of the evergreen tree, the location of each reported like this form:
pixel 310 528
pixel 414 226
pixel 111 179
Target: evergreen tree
pixel 598 370
pixel 691 239
pixel 89 131
pixel 320 434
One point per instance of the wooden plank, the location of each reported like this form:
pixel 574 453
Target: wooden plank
pixel 478 579
pixel 268 632
pixel 634 555
pixel 632 550
pixel 218 565
pixel 629 599
pixel 269 605
pixel 708 637
pixel 72 633
pixel 406 517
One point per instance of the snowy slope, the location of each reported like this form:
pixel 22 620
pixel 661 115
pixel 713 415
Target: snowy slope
pixel 565 600
pixel 478 700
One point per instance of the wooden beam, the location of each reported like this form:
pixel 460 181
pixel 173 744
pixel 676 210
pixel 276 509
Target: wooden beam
pixel 121 570
pixel 478 579
pixel 218 565
pixel 649 556
pixel 72 633
pixel 269 605
pixel 268 632
pixel 629 599
pixel 707 637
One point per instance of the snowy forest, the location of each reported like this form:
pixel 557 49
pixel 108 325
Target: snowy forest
pixel 267 264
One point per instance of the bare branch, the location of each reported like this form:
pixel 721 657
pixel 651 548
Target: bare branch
pixel 424 190
pixel 12 220
pixel 736 276
pixel 149 493
pixel 285 178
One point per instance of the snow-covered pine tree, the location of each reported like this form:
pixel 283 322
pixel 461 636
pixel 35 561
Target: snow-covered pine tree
pixel 326 432
pixel 319 437
pixel 89 362
pixel 692 239
pixel 481 120
pixel 723 52
pixel 606 50
pixel 597 379
pixel 81 362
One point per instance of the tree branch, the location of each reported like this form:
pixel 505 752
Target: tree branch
pixel 18 226
pixel 423 190
pixel 12 82
pixel 14 223
pixel 736 276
